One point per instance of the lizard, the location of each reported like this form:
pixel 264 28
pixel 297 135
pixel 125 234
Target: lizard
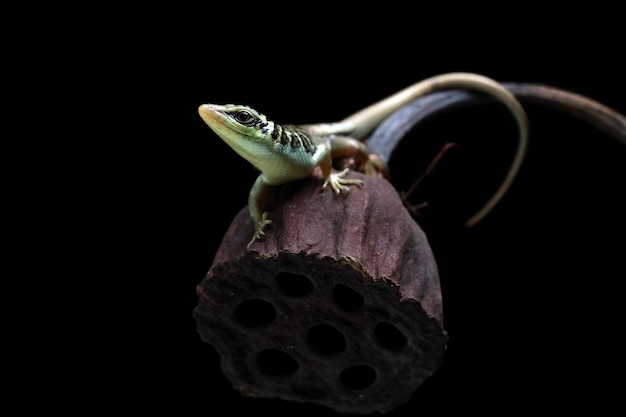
pixel 284 153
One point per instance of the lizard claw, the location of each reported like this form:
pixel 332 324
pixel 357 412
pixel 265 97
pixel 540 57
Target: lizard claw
pixel 258 228
pixel 339 184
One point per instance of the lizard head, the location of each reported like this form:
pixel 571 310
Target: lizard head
pixel 256 138
pixel 244 129
pixel 231 119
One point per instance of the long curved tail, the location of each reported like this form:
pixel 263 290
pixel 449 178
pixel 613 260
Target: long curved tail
pixel 360 124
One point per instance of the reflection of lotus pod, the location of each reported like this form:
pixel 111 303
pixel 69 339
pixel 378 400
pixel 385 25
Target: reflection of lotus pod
pixel 339 303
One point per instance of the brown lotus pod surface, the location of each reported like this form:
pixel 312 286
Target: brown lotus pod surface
pixel 339 304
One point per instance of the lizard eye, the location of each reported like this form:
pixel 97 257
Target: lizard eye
pixel 245 118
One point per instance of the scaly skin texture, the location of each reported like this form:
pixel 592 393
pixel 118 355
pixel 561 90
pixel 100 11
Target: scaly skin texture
pixel 290 152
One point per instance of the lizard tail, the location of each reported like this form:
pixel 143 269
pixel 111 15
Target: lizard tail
pixel 362 123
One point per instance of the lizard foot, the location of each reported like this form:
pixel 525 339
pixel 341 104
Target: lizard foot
pixel 374 166
pixel 258 228
pixel 339 184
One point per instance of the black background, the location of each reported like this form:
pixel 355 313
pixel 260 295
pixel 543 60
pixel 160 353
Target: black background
pixel 531 298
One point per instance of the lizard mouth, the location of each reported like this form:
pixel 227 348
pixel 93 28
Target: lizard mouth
pixel 214 116
pixel 208 113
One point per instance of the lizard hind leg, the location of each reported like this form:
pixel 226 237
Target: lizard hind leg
pixel 351 153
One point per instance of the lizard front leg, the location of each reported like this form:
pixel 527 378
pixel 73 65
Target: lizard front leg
pixel 256 198
pixel 336 181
